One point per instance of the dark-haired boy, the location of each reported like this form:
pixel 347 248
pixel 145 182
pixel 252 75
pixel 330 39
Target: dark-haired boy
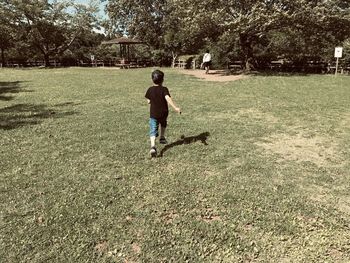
pixel 159 97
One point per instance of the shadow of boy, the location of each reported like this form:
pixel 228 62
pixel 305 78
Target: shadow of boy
pixel 186 140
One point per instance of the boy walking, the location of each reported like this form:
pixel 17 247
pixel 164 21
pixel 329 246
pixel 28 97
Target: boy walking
pixel 159 97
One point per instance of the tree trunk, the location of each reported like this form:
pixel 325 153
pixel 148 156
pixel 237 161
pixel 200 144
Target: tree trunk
pixel 2 57
pixel 246 46
pixel 174 59
pixel 47 60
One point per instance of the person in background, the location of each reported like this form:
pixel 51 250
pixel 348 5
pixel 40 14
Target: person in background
pixel 207 61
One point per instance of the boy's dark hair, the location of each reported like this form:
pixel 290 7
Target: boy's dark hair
pixel 157 77
pixel 207 51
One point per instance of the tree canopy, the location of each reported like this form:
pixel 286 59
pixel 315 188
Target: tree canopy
pixel 253 32
pixel 246 26
pixel 47 26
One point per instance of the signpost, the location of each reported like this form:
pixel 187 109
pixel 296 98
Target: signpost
pixel 92 60
pixel 338 53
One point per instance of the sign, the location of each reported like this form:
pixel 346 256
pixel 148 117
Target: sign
pixel 338 52
pixel 92 57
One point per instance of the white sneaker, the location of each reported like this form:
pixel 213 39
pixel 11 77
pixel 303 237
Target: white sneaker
pixel 153 152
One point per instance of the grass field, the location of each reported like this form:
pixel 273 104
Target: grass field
pixel 256 170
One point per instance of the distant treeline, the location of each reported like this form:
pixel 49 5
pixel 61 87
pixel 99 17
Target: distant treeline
pixel 268 34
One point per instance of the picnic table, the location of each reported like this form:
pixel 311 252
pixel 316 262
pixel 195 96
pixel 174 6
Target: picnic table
pixel 125 64
pixel 180 63
pixel 132 63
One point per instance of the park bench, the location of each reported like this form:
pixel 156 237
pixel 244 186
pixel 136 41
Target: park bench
pixel 144 62
pixel 55 63
pixel 276 65
pixel 235 65
pixel 82 63
pixel 13 64
pixel 41 63
pixel 96 63
pixel 180 63
pixel 315 67
pixel 187 61
pixel 346 69
pixel 342 69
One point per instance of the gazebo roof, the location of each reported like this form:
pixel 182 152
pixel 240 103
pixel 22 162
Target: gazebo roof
pixel 122 40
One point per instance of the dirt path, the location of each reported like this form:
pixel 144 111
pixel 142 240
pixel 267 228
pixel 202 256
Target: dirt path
pixel 214 75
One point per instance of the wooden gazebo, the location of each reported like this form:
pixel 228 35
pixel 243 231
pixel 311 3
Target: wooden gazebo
pixel 124 44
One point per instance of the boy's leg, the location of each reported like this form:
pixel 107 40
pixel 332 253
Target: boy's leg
pixel 163 124
pixel 153 151
pixel 153 126
pixel 162 139
pixel 153 141
pixel 162 131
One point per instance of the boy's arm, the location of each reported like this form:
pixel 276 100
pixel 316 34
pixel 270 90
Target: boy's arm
pixel 172 104
pixel 147 96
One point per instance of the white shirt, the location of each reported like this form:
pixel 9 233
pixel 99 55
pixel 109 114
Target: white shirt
pixel 206 57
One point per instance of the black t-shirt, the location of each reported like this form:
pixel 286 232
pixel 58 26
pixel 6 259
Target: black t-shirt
pixel 159 105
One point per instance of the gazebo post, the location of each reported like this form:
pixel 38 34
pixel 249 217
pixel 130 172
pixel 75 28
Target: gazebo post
pixel 128 52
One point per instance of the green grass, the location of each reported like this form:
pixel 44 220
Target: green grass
pixel 77 184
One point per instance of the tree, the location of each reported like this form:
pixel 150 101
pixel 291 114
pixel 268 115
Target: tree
pixel 246 21
pixel 6 31
pixel 6 40
pixel 316 27
pixel 316 23
pixel 143 19
pixel 188 30
pixel 51 26
pixel 246 27
pixel 162 24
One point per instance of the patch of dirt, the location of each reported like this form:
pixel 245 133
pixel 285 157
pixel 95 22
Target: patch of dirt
pixel 209 216
pixel 169 217
pixel 136 248
pixel 101 247
pixel 335 253
pixel 214 75
pixel 318 150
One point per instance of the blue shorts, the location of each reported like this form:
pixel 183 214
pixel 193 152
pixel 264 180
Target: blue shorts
pixel 154 125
